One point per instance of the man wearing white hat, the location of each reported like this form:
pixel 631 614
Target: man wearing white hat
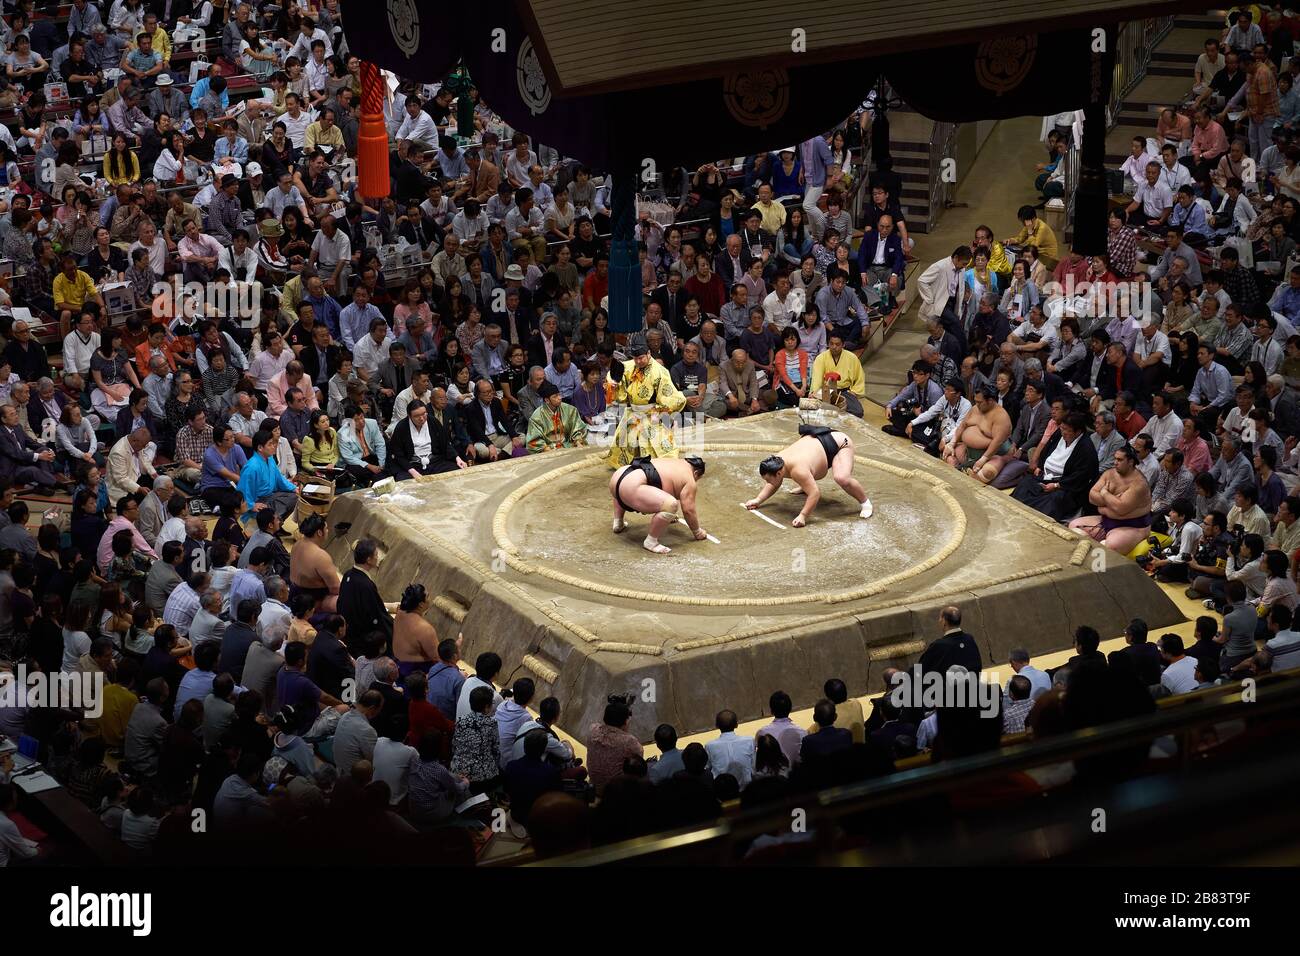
pixel 165 98
pixel 252 188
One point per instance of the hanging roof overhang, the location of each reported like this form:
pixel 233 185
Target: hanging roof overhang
pixel 602 46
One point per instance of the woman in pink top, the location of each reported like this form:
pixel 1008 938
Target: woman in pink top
pixel 1196 453
pixel 413 303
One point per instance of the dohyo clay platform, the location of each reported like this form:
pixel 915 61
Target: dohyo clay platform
pixel 519 556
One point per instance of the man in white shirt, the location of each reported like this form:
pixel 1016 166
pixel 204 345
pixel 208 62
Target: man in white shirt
pixel 1266 350
pixel 315 70
pixel 372 349
pixel 1151 352
pixel 1039 682
pixel 1179 676
pixel 295 120
pixel 246 419
pixel 470 226
pixel 331 252
pixel 1148 463
pixel 1164 427
pixel 275 615
pixel 417 129
pixel 1135 164
pixel 524 224
pixel 782 306
pixel 394 762
pixel 730 752
pixel 1285 648
pixel 1152 200
pixel 1173 173
pixel 151 242
pixel 240 260
pixel 173 528
pixel 13 845
pixel 79 345
pixel 308 34
pixel 1035 336
pixel 126 462
pixel 417 391
pixel 286 196
pixel 1208 64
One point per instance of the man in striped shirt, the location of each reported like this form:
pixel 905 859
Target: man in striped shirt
pixel 1261 100
pixel 1121 245
pixel 1232 346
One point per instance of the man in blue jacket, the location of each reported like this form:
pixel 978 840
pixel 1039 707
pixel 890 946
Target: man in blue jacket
pixel 261 482
pixel 881 258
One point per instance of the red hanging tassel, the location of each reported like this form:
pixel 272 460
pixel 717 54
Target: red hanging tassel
pixel 372 136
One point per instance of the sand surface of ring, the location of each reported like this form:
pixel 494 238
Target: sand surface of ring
pixel 837 551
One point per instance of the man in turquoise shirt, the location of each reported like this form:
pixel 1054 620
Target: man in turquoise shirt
pixel 262 484
pixel 204 86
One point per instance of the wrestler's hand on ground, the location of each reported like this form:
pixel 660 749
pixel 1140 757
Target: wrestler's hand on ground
pixel 700 534
pixel 752 504
pixel 799 521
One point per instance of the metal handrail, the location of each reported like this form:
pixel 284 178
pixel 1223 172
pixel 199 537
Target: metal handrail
pixel 1134 45
pixel 941 147
pixel 1071 182
pixel 856 200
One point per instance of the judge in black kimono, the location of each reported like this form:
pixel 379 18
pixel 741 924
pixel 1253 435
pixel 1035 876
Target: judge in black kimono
pixel 1067 467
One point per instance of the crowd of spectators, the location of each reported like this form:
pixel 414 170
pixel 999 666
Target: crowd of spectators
pixel 245 677
pixel 1145 394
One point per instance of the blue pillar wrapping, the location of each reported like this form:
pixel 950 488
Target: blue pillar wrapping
pixel 624 267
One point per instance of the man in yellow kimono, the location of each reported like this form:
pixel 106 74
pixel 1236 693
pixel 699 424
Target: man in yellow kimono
pixel 647 391
pixel 554 424
pixel 840 367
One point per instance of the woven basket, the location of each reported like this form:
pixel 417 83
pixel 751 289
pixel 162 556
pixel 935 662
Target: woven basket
pixel 317 503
